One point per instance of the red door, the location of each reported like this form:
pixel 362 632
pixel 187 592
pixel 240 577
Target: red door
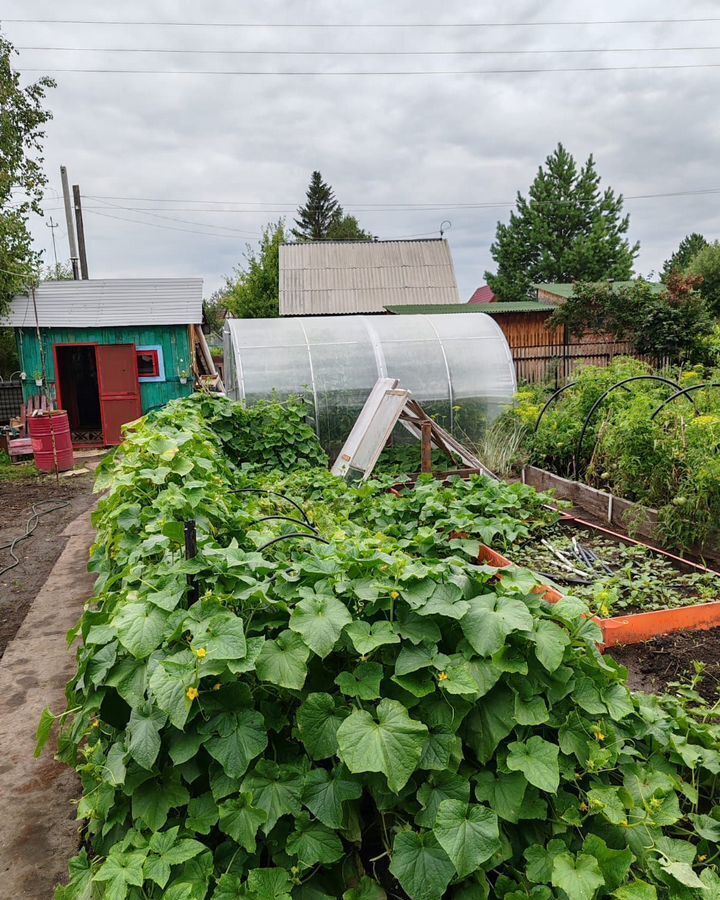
pixel 119 388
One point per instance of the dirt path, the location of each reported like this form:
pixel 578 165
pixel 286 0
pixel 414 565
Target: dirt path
pixel 38 831
pixel 36 555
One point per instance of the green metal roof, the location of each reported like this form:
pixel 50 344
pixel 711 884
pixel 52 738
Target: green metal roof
pixel 491 309
pixel 565 289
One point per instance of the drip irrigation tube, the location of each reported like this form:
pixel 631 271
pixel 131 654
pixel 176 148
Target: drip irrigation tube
pixel 294 534
pixel 685 392
pixel 30 527
pixel 286 519
pixel 274 494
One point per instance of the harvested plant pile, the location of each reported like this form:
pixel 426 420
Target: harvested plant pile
pixel 370 717
pixel 611 577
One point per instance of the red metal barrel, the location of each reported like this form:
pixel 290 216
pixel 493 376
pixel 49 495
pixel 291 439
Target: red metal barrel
pixel 51 443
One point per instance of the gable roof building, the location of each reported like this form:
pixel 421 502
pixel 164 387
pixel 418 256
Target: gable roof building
pixel 344 277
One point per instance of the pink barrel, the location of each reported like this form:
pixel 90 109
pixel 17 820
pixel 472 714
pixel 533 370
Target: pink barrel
pixel 51 442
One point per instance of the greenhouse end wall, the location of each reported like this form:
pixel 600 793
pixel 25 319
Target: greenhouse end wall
pixel 459 367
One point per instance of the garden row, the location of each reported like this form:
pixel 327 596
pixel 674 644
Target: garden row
pixel 664 457
pixel 330 698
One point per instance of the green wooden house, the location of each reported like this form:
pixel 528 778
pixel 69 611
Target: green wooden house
pixel 108 350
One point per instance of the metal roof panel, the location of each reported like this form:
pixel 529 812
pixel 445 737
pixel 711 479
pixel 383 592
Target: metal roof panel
pixel 107 302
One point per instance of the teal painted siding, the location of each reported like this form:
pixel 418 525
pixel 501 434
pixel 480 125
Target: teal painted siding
pixel 174 340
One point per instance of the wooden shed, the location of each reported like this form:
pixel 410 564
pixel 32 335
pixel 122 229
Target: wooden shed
pixel 108 350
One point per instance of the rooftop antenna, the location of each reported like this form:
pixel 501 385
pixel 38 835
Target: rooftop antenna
pixel 443 224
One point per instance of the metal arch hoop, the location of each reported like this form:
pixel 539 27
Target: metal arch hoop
pixel 596 404
pixel 687 390
pixel 550 401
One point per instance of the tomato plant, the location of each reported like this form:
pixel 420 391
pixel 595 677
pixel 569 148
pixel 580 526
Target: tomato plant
pixel 375 716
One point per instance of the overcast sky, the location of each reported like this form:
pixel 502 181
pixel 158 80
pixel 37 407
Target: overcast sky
pixel 218 156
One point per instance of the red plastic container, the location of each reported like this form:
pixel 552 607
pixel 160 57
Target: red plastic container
pixel 51 441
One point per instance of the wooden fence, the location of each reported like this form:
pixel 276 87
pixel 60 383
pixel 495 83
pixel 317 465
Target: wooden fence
pixel 555 363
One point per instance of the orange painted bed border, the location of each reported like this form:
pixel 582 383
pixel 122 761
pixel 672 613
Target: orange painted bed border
pixel 635 627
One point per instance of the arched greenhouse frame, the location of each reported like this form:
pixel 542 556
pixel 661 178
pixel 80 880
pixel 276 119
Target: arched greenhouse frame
pixel 459 367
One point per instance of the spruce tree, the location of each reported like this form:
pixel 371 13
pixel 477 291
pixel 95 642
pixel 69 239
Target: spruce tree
pixel 688 248
pixel 568 229
pixel 323 219
pixel 318 213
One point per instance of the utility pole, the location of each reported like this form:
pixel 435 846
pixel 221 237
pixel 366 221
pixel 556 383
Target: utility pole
pixel 80 232
pixel 52 226
pixel 70 222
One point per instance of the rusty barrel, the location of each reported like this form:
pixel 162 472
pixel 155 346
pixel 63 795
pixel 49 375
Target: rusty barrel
pixel 51 441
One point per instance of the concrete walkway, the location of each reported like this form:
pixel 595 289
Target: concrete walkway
pixel 38 831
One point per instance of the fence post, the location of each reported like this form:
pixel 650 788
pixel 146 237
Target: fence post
pixel 191 553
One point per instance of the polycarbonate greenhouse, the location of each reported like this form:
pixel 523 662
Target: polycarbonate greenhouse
pixel 459 367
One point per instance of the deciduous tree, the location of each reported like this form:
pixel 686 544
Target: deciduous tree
pixel 22 179
pixel 253 292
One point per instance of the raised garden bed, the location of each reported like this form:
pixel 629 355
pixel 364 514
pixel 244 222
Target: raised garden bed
pixel 636 627
pixel 640 520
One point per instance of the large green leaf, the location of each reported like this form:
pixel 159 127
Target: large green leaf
pixel 284 661
pixel 313 842
pixel 637 890
pixel 363 682
pixel 241 820
pixel 143 732
pixel 468 834
pixel 169 685
pixel 537 759
pixel 153 800
pixel 269 884
pixel 276 789
pixel 439 787
pixel 320 619
pixel 490 722
pixel 318 720
pixel 221 637
pixel 550 643
pixel 325 792
pixel 505 793
pixel 614 864
pixel 491 619
pixel 421 865
pixel 236 739
pixel 579 876
pixel 391 743
pixel 366 637
pixel 140 628
pixel 367 889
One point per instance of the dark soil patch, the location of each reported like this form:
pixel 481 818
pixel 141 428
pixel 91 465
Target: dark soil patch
pixel 38 553
pixel 657 663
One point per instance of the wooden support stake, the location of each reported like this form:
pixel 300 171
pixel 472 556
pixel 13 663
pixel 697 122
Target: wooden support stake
pixel 426 447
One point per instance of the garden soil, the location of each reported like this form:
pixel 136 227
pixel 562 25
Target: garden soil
pixel 38 830
pixel 38 553
pixel 669 658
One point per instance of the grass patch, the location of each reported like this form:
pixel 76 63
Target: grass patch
pixel 16 472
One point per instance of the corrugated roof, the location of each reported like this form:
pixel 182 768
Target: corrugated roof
pixel 491 309
pixel 106 302
pixel 483 294
pixel 565 289
pixel 336 277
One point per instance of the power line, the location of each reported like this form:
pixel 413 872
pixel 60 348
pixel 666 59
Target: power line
pixel 223 52
pixel 528 24
pixel 214 234
pixel 535 71
pixel 268 206
pixel 155 215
